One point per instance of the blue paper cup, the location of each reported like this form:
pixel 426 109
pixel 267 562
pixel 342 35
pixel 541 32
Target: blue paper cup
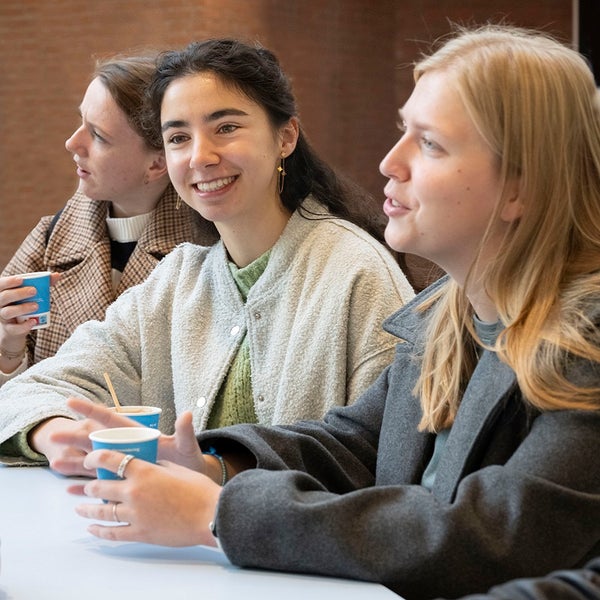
pixel 141 442
pixel 149 416
pixel 41 282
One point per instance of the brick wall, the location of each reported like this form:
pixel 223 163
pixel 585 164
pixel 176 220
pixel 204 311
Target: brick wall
pixel 343 57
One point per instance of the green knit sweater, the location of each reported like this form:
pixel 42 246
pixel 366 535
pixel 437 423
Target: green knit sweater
pixel 234 402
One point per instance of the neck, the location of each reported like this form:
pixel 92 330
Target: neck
pixel 248 239
pixel 471 277
pixel 482 304
pixel 139 204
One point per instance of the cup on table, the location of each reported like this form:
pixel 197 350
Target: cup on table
pixel 41 282
pixel 148 416
pixel 141 442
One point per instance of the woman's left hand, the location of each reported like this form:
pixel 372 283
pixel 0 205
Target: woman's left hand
pixel 181 447
pixel 163 503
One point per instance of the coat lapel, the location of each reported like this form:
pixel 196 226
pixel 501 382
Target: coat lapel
pixel 482 402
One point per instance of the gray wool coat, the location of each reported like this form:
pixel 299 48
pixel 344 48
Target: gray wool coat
pixel 574 584
pixel 517 492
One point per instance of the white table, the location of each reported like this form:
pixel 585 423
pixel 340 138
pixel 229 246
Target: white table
pixel 47 554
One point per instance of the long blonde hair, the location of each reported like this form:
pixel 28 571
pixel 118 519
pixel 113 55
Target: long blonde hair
pixel 535 103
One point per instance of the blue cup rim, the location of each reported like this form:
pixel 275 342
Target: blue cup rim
pixel 126 410
pixel 141 434
pixel 35 274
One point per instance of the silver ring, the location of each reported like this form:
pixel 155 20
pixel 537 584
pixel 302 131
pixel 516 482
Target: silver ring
pixel 115 515
pixel 123 465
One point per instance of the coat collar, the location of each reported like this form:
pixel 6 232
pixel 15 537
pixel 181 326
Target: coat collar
pixel 79 245
pixel 82 226
pixel 482 402
pixel 407 323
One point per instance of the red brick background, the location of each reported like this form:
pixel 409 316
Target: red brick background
pixel 348 60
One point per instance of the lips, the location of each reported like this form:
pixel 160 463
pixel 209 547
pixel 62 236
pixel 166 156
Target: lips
pixel 393 208
pixel 395 203
pixel 80 170
pixel 214 185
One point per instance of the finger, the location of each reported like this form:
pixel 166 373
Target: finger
pixel 17 293
pixel 116 533
pixel 76 438
pixel 9 282
pixel 112 460
pixel 104 459
pixel 14 329
pixel 100 413
pixel 10 311
pixel 54 277
pixel 114 512
pixel 77 489
pixel 184 433
pixel 108 490
pixel 71 467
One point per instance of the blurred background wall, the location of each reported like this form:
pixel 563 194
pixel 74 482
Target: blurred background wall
pixel 349 61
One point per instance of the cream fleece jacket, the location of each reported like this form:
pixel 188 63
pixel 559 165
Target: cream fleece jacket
pixel 313 321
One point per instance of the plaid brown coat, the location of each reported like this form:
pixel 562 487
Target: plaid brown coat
pixel 79 248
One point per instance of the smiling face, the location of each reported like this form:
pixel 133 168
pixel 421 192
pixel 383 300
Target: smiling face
pixel 444 180
pixel 112 159
pixel 222 151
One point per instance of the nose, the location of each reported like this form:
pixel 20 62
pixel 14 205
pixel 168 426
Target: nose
pixel 395 164
pixel 76 143
pixel 204 153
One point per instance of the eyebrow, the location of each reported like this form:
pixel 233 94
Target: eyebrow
pixel 418 125
pixel 95 127
pixel 214 116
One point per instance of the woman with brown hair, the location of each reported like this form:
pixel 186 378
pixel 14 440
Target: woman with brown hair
pixel 119 224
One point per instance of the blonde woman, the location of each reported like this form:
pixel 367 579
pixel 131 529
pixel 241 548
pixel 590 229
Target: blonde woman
pixel 475 457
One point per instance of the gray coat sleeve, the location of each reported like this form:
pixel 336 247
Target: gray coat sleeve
pixel 582 584
pixel 316 503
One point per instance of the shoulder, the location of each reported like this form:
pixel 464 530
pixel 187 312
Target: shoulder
pixel 30 254
pixel 186 259
pixel 408 321
pixel 332 234
pixel 79 221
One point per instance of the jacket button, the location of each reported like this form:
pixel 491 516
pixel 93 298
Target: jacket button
pixel 257 315
pixel 260 398
pixel 201 402
pixel 234 330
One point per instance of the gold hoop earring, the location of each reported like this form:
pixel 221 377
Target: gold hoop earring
pixel 281 174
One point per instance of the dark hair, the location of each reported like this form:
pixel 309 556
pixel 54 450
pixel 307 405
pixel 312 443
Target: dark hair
pixel 126 78
pixel 256 72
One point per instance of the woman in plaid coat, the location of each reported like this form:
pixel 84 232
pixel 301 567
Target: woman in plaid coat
pixel 110 235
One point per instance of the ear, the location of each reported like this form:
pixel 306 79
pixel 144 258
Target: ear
pixel 289 136
pixel 157 168
pixel 513 207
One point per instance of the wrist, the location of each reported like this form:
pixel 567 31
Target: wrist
pixel 39 437
pixel 223 475
pixel 11 355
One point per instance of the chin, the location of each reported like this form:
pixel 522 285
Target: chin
pixel 394 239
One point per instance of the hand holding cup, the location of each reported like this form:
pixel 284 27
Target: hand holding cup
pixel 137 442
